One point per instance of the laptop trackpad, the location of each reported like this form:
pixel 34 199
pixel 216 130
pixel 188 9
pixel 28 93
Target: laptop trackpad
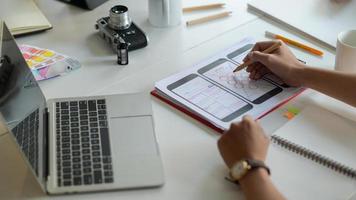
pixel 133 135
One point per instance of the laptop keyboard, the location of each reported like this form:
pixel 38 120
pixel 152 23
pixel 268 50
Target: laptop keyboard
pixel 26 133
pixel 83 147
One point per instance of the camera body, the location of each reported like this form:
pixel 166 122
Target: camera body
pixel 120 32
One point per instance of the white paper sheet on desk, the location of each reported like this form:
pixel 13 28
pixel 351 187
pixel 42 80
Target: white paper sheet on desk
pixel 335 106
pixel 322 20
pixel 323 132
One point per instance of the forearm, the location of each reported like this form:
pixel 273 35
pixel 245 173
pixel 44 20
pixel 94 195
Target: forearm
pixel 257 185
pixel 339 85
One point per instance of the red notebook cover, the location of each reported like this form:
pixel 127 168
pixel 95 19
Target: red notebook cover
pixel 204 121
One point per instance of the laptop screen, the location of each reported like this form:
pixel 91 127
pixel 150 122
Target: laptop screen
pixel 21 102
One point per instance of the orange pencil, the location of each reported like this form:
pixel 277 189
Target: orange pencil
pixel 295 43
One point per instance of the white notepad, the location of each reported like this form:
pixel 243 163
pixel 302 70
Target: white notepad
pixel 323 134
pixel 321 20
pixel 23 16
pixel 298 178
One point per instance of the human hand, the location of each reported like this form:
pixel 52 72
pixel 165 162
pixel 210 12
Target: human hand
pixel 243 140
pixel 281 62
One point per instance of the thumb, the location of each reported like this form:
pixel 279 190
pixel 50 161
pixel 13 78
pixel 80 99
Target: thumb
pixel 257 56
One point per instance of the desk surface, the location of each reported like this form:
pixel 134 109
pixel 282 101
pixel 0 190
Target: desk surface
pixel 193 167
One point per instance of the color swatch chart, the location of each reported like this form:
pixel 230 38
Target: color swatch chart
pixel 46 63
pixel 38 58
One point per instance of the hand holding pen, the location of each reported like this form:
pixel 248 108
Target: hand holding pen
pixel 270 49
pixel 279 61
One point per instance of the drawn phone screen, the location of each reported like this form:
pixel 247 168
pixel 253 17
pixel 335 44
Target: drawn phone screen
pixel 256 91
pixel 209 97
pixel 240 53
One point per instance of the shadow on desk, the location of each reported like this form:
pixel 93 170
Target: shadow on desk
pixel 98 46
pixel 108 63
pixel 16 180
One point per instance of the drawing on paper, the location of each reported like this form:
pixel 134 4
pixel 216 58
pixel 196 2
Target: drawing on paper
pixel 239 83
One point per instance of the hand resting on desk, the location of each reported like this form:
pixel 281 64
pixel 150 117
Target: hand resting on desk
pixel 247 140
pixel 243 140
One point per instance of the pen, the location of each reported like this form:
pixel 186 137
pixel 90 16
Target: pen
pixel 295 43
pixel 208 18
pixel 203 7
pixel 268 50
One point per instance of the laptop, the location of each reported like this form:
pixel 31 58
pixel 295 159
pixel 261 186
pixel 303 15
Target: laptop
pixel 79 144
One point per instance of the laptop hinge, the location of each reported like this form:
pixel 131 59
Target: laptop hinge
pixel 45 144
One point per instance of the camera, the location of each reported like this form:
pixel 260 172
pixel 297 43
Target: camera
pixel 121 33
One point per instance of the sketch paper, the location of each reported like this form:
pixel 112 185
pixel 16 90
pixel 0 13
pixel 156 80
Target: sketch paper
pixel 319 20
pixel 213 91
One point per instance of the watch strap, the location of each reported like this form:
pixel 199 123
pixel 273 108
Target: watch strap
pixel 258 164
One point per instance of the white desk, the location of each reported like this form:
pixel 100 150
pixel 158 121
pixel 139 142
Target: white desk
pixel 193 167
pixel 74 35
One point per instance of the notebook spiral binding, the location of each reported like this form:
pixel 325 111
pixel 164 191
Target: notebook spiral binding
pixel 336 166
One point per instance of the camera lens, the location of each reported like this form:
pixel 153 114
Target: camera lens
pixel 119 18
pixel 119 9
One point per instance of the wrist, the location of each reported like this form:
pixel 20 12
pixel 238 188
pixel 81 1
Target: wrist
pixel 299 74
pixel 245 166
pixel 259 174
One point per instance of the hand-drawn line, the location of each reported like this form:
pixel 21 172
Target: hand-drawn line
pixel 239 82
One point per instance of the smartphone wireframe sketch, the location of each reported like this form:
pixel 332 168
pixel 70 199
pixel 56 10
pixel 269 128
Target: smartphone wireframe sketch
pixel 255 91
pixel 209 97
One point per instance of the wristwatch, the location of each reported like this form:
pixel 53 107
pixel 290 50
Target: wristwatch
pixel 240 168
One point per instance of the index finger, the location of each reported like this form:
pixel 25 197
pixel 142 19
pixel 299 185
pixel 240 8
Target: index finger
pixel 248 118
pixel 261 46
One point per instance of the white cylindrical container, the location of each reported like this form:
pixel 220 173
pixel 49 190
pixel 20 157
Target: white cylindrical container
pixel 165 13
pixel 346 51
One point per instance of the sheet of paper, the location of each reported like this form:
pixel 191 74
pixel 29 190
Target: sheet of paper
pixel 22 16
pixel 211 90
pixel 321 20
pixel 335 106
pixel 323 132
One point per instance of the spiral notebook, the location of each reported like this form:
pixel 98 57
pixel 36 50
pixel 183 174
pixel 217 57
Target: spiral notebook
pixel 322 136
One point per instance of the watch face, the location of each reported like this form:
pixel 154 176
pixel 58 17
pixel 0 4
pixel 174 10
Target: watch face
pixel 239 169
